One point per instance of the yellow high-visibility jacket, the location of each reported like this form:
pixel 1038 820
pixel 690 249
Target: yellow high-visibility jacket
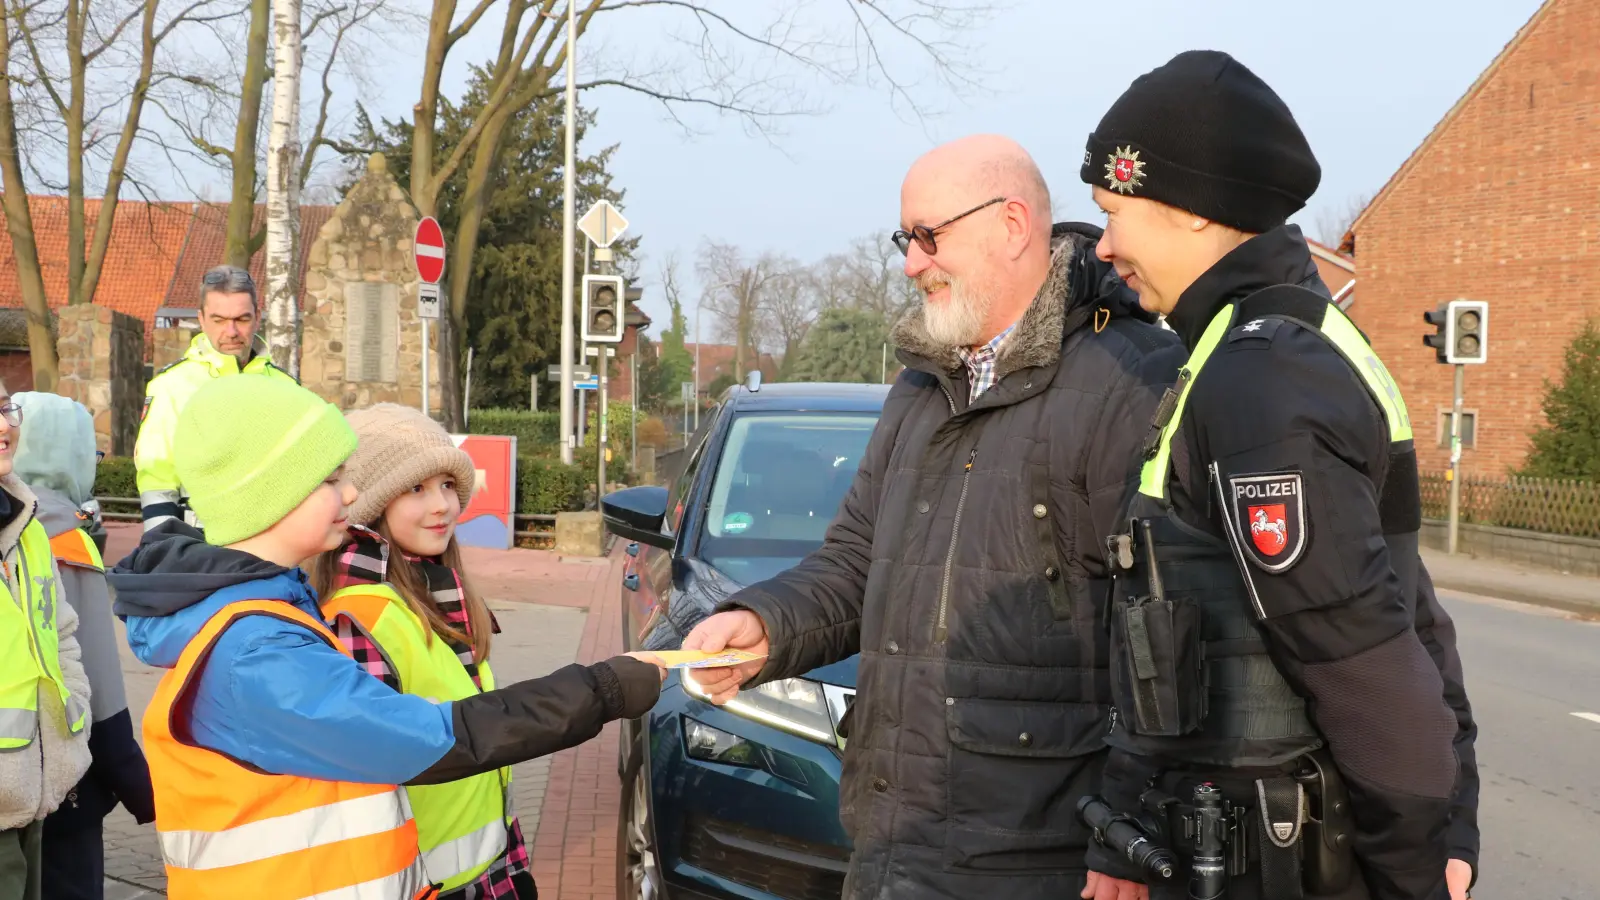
pixel 160 494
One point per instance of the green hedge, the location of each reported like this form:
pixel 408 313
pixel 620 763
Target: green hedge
pixel 546 486
pixel 115 478
pixel 535 431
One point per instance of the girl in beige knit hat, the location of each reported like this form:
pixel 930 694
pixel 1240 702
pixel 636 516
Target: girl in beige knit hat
pixel 399 601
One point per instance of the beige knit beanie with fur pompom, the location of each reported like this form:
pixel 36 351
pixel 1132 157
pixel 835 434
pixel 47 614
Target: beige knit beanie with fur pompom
pixel 399 449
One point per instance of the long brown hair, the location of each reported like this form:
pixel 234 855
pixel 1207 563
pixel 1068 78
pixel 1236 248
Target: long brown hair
pixel 411 583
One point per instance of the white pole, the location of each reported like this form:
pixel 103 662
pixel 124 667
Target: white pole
pixel 568 237
pixel 466 396
pixel 1455 464
pixel 425 367
pixel 697 365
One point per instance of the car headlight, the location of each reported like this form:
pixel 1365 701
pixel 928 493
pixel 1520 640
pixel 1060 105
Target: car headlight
pixel 701 741
pixel 795 705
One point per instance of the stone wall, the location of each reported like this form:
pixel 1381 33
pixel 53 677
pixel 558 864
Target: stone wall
pixel 1556 552
pixel 102 367
pixel 362 256
pixel 169 344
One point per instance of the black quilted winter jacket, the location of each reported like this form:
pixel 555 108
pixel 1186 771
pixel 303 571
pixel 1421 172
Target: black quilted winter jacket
pixel 966 565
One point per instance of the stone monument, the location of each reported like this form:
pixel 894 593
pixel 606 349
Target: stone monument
pixel 101 354
pixel 361 339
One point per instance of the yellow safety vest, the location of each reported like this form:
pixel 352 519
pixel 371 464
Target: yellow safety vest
pixel 1337 329
pixel 30 650
pixel 165 397
pixel 462 825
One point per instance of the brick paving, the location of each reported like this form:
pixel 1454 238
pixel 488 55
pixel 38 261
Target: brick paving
pixel 553 611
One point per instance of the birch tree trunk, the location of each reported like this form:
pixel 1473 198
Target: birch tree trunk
pixel 283 191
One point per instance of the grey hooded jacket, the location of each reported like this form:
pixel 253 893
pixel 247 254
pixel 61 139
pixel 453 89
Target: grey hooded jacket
pixel 56 458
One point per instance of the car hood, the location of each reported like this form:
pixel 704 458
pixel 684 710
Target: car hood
pixel 698 587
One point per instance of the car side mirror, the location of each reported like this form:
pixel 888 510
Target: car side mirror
pixel 637 514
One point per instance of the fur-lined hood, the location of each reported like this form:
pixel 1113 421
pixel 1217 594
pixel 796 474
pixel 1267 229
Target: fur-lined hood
pixel 1078 286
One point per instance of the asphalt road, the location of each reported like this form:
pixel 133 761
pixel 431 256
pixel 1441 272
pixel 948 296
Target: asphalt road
pixel 1528 672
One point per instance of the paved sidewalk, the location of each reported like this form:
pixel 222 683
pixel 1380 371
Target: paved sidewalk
pixel 551 612
pixel 1509 581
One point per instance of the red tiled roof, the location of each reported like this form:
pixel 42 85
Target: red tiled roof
pixel 146 240
pixel 717 359
pixel 208 238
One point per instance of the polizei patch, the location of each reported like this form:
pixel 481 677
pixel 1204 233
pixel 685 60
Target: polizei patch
pixel 1269 518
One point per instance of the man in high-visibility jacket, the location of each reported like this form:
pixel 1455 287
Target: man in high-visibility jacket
pixel 229 316
pixel 44 694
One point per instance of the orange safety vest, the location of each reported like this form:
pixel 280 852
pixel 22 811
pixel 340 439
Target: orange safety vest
pixel 228 829
pixel 77 548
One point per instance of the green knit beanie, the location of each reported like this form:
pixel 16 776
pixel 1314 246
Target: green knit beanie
pixel 250 448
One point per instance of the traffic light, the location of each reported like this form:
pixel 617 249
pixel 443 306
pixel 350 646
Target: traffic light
pixel 1462 332
pixel 1469 331
pixel 1440 320
pixel 603 310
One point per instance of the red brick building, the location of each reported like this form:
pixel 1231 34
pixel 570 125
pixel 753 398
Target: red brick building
pixel 1501 203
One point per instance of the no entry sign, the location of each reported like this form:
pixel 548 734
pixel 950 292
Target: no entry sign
pixel 427 249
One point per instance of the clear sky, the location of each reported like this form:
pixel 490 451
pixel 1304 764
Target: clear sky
pixel 1367 79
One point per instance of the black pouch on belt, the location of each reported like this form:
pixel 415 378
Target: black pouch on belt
pixel 1157 674
pixel 1280 806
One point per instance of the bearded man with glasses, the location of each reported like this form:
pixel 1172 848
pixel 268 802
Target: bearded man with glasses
pixel 967 562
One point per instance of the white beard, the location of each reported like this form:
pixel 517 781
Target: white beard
pixel 959 320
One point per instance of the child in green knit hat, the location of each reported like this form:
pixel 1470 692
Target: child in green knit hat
pixel 273 694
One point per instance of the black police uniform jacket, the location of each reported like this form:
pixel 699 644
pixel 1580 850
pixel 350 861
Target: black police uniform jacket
pixel 967 566
pixel 1351 621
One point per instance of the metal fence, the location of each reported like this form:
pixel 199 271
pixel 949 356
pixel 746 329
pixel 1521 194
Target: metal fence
pixel 1548 505
pixel 535 530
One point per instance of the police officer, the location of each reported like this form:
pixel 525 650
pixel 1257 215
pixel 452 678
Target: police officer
pixel 229 316
pixel 1284 699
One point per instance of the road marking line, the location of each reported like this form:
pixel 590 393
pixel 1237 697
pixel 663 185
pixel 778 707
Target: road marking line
pixel 1591 717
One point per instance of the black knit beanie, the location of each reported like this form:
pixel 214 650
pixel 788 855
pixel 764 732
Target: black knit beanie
pixel 1204 134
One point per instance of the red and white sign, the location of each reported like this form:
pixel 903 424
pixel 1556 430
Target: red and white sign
pixel 428 250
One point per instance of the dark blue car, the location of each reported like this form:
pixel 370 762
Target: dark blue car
pixel 738 801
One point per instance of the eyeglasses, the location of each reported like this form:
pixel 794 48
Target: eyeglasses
pixel 12 413
pixel 924 235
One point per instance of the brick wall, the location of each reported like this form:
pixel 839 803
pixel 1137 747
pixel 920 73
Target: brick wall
pixel 1503 205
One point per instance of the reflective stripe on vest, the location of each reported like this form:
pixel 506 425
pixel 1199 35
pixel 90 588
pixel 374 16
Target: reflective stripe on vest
pixel 30 649
pixel 77 548
pixel 228 830
pixel 1153 477
pixel 461 825
pixel 314 827
pixel 1337 330
pixel 473 852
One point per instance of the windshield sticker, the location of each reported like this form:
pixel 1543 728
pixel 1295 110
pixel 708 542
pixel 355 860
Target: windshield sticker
pixel 737 523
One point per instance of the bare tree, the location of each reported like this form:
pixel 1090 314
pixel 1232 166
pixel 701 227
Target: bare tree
pixel 283 191
pixel 77 54
pixel 869 275
pixel 738 292
pixel 226 95
pixel 789 306
pixel 19 222
pixel 1334 221
pixel 718 56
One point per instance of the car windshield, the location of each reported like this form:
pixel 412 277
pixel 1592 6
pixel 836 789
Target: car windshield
pixel 778 485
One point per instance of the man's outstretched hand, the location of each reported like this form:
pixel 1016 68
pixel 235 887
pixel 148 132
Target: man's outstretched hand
pixel 1104 887
pixel 739 629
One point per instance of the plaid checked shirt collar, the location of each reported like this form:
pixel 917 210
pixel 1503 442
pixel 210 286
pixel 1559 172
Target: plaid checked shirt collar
pixel 980 363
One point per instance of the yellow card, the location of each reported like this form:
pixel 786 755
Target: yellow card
pixel 700 659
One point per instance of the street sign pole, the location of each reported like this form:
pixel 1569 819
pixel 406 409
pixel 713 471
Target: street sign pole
pixel 1455 460
pixel 568 236
pixel 427 251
